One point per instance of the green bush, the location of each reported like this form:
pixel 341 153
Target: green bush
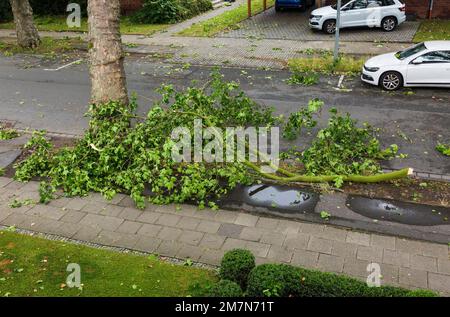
pixel 274 280
pixel 170 11
pixel 226 288
pixel 42 7
pixel 5 11
pixel 236 266
pixel 280 280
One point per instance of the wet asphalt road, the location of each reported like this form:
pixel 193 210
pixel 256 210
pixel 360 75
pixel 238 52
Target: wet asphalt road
pixel 36 98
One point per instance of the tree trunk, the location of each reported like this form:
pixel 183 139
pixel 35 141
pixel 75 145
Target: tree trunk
pixel 106 54
pixel 27 34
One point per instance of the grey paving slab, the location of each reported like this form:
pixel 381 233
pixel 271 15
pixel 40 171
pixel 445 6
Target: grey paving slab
pixel 230 230
pixel 208 226
pixel 130 227
pixel 373 254
pixel 397 258
pixel 413 278
pixel 304 258
pixel 330 263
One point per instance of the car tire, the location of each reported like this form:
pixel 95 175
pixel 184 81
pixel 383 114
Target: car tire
pixel 329 26
pixel 388 24
pixel 391 81
pixel 277 9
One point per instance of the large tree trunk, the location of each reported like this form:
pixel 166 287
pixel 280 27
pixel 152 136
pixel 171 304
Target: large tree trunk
pixel 106 53
pixel 27 34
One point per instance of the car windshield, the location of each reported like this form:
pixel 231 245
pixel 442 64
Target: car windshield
pixel 344 3
pixel 411 51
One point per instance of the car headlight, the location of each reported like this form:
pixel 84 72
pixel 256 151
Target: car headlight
pixel 372 69
pixel 316 17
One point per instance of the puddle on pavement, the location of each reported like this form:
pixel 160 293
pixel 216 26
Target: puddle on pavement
pixel 400 212
pixel 283 199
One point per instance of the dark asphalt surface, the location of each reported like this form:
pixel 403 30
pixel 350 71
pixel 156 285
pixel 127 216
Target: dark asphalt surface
pixel 56 101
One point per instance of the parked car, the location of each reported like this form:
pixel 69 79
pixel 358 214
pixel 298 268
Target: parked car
pixel 387 14
pixel 301 4
pixel 426 64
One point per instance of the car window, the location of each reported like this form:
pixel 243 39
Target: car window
pixel 411 51
pixel 359 4
pixel 345 5
pixel 388 2
pixel 437 57
pixel 374 4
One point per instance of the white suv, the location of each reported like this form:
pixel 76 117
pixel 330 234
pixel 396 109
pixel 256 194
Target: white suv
pixel 386 14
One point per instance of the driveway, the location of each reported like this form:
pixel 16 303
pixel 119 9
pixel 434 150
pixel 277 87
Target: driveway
pixel 293 25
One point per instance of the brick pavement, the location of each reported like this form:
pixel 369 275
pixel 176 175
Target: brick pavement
pixel 294 25
pixel 204 235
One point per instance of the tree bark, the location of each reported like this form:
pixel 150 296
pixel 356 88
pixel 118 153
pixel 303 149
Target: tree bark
pixel 27 34
pixel 106 53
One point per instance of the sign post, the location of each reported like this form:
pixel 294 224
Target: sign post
pixel 338 23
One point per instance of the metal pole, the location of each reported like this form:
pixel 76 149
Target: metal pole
pixel 249 5
pixel 430 13
pixel 338 24
pixel 265 5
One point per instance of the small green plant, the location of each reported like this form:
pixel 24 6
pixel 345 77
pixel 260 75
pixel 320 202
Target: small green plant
pixel 225 288
pixel 443 148
pixel 188 262
pixel 236 265
pixel 325 215
pixel 20 203
pixel 8 134
pixel 303 79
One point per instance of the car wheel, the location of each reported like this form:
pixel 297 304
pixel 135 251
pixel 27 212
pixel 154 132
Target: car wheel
pixel 277 9
pixel 329 26
pixel 391 81
pixel 388 24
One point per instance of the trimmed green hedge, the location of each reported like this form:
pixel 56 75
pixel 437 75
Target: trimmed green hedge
pixel 170 11
pixel 282 280
pixel 236 266
pixel 226 288
pixel 285 280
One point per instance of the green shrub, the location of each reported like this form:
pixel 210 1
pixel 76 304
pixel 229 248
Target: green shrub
pixel 170 11
pixel 226 288
pixel 421 293
pixel 274 280
pixel 280 280
pixel 236 265
pixel 5 11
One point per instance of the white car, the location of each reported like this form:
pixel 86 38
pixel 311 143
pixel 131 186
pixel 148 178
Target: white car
pixel 423 65
pixel 387 14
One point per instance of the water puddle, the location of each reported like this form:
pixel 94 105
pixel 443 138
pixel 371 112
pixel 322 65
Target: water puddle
pixel 280 198
pixel 400 212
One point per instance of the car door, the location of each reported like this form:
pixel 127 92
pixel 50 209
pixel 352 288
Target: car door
pixel 357 14
pixel 430 68
pixel 373 15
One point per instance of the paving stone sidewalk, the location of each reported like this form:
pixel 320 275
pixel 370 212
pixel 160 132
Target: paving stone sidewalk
pixel 243 52
pixel 204 235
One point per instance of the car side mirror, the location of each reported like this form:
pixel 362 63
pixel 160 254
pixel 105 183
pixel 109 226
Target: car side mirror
pixel 418 60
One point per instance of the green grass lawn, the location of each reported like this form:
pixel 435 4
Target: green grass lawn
pixel 432 30
pixel 31 266
pixel 58 24
pixel 224 21
pixel 49 47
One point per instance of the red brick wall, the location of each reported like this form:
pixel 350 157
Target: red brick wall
pixel 419 8
pixel 131 5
